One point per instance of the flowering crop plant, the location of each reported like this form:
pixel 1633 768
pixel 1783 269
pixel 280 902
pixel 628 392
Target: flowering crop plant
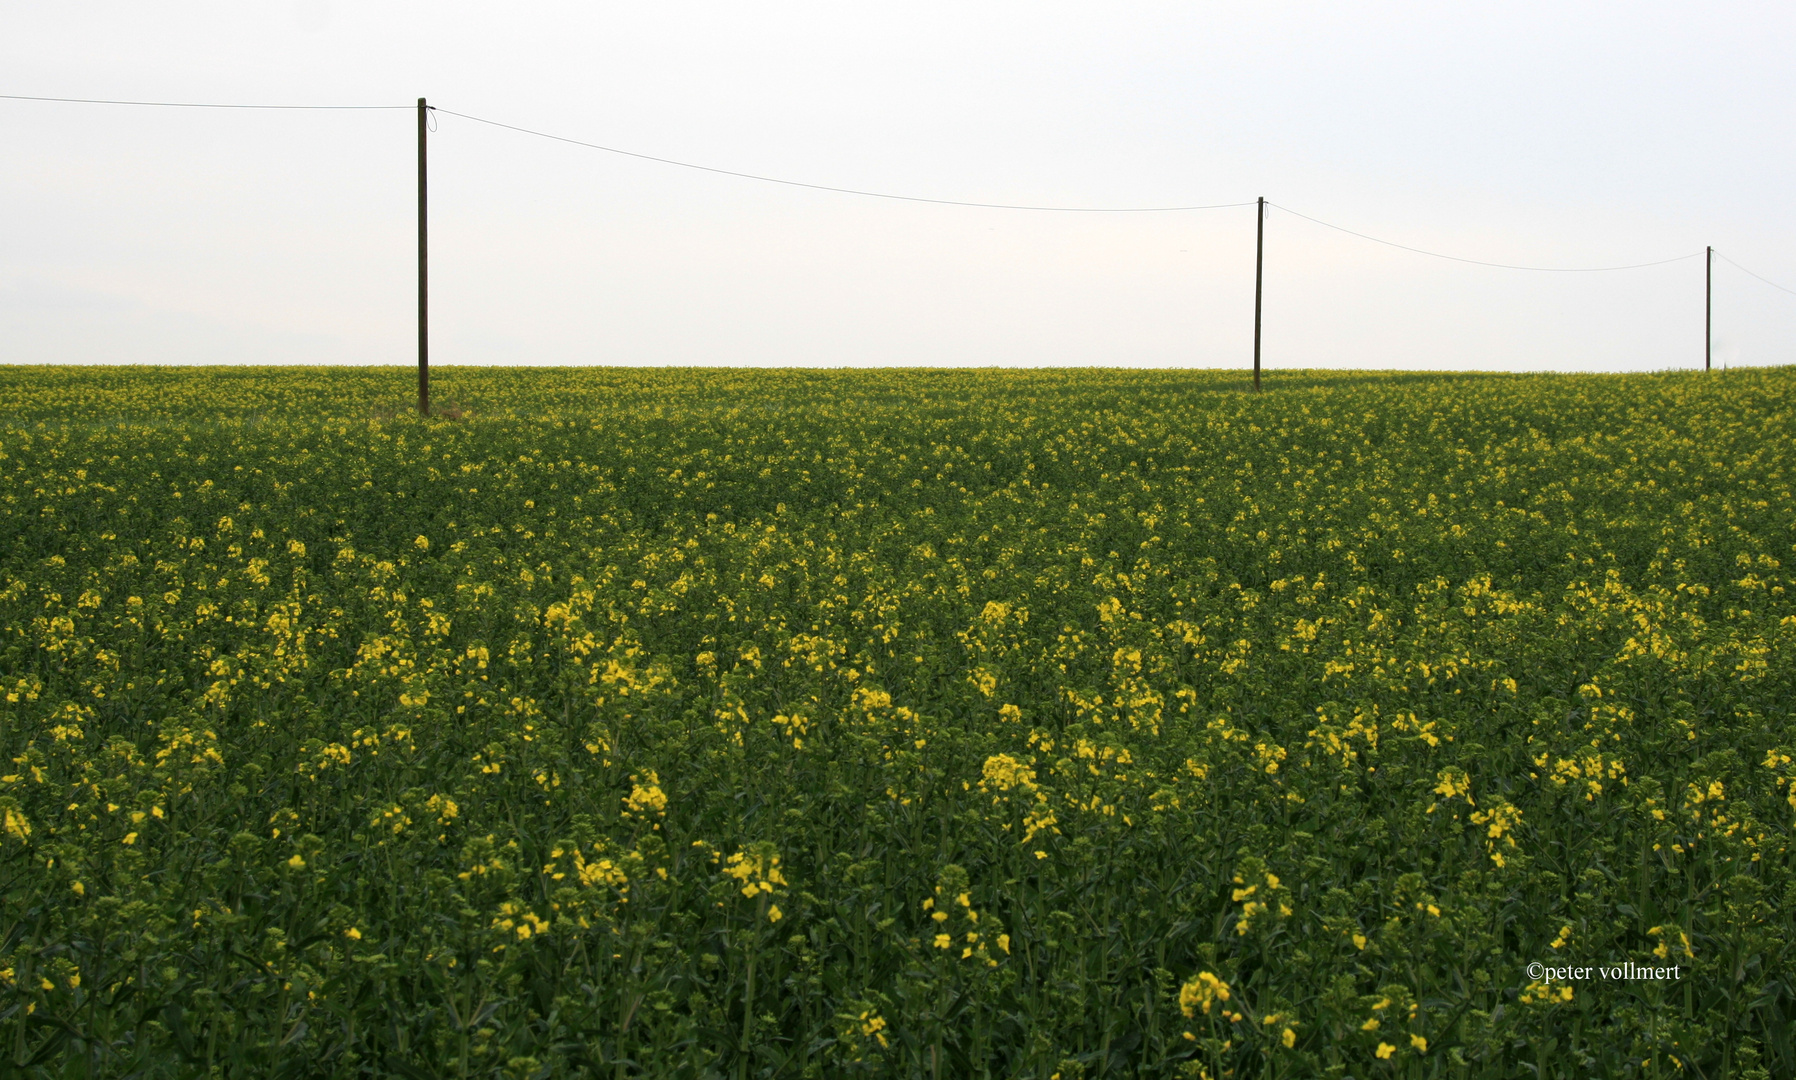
pixel 725 723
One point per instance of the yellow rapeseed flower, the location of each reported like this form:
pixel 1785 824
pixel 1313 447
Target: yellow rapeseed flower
pixel 1202 993
pixel 16 824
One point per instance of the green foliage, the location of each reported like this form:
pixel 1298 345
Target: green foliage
pixel 909 724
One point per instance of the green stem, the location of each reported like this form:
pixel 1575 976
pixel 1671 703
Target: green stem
pixel 748 998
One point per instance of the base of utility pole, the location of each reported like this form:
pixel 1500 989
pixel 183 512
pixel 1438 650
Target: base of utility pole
pixel 1708 310
pixel 423 271
pixel 1259 267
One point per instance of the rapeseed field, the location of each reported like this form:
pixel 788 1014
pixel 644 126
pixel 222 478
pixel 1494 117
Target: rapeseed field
pixel 721 723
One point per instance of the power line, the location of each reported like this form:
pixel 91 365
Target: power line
pixel 1766 280
pixel 1481 262
pixel 888 195
pixel 843 190
pixel 188 104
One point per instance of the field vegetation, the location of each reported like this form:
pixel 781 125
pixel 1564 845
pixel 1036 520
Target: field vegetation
pixel 722 723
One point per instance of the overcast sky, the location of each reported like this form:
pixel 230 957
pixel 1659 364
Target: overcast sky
pixel 1551 134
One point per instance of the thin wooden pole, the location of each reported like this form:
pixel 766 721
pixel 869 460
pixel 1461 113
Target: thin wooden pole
pixel 1259 267
pixel 423 272
pixel 1708 311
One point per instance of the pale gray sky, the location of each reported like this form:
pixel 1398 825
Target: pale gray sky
pixel 1545 133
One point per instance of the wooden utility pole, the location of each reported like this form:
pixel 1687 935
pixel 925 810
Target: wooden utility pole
pixel 423 273
pixel 1259 267
pixel 1708 310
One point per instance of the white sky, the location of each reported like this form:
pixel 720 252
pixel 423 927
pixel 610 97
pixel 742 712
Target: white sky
pixel 1545 133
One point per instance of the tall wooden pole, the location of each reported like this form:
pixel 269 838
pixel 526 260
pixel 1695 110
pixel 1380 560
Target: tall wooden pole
pixel 423 273
pixel 1259 267
pixel 1708 310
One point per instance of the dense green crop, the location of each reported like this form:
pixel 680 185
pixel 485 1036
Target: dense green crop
pixel 939 724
